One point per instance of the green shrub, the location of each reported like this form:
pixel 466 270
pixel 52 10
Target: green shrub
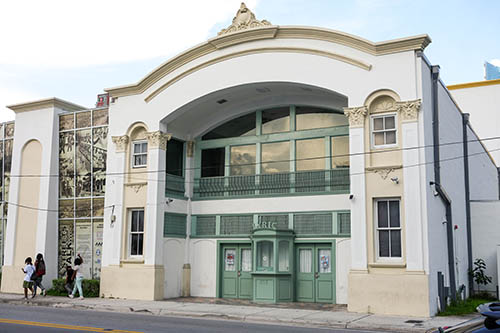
pixel 90 288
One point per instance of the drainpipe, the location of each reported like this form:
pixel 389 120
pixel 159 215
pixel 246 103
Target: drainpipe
pixel 465 122
pixel 437 181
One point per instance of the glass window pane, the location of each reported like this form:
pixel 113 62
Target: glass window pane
pixel 134 242
pixel 99 160
pixel 144 147
pixel 66 122
pixel 305 260
pixel 324 263
pixel 389 122
pixel 140 218
pixel 137 160
pixel 66 164
pixel 98 207
pixel 242 126
pixel 340 151
pixel 137 148
pixel 83 119
pixel 276 157
pixel 378 138
pixel 66 208
pixel 246 260
pixel 395 243
pixel 276 120
pixel 140 244
pixel 100 117
pixel 310 154
pixel 9 130
pixel 230 260
pixel 212 162
pixel 283 256
pixel 83 208
pixel 134 220
pixel 378 124
pixel 175 157
pixel 394 213
pixel 265 259
pixel 382 214
pixel 310 118
pixel 83 163
pixel 243 160
pixel 383 243
pixel 390 137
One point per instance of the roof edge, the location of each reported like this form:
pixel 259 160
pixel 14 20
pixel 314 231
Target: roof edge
pixel 473 84
pixel 415 43
pixel 52 102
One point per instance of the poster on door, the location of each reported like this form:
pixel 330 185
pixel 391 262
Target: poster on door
pixel 324 262
pixel 97 251
pixel 84 246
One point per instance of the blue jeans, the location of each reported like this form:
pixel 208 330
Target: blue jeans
pixel 78 284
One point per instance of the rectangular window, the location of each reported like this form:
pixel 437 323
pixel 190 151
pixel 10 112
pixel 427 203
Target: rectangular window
pixel 243 160
pixel 275 157
pixel 136 232
pixel 388 227
pixel 384 130
pixel 310 154
pixel 175 157
pixel 139 154
pixel 213 162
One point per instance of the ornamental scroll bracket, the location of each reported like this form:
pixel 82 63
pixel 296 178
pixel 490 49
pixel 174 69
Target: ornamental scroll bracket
pixel 409 109
pixel 384 172
pixel 356 115
pixel 244 19
pixel 158 139
pixel 120 142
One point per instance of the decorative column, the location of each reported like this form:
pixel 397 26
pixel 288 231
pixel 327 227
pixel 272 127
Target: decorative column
pixel 114 220
pixel 154 210
pixel 408 113
pixel 189 185
pixel 356 117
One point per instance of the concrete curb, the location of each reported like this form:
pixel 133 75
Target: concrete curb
pixel 251 314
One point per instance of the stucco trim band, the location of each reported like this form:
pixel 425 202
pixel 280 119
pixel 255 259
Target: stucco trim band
pixel 190 71
pixel 473 84
pixel 45 104
pixel 416 43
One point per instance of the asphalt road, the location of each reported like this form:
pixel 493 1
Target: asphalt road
pixel 17 318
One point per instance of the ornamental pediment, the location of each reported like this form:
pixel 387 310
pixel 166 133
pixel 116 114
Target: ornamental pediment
pixel 244 19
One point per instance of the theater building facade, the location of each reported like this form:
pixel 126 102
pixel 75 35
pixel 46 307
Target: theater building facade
pixel 269 163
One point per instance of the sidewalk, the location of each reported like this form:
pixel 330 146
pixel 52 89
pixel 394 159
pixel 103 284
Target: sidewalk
pixel 329 316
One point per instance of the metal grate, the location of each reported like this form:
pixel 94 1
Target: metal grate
pixel 174 185
pixel 339 180
pixel 275 183
pixel 310 181
pixel 205 226
pixel 344 223
pixel 236 225
pixel 280 221
pixel 312 224
pixel 174 225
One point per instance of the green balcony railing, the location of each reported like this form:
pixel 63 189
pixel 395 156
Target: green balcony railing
pixel 321 181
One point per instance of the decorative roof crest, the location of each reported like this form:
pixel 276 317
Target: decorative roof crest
pixel 244 19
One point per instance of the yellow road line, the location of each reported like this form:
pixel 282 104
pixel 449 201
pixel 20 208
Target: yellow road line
pixel 67 327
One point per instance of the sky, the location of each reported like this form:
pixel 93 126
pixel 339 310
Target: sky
pixel 75 49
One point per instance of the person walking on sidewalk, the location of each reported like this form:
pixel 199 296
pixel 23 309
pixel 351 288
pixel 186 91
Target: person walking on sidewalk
pixel 69 279
pixel 78 277
pixel 28 270
pixel 38 275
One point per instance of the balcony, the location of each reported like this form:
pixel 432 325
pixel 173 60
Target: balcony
pixel 335 181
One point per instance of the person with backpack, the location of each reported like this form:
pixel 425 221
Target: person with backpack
pixel 69 279
pixel 28 270
pixel 78 277
pixel 38 275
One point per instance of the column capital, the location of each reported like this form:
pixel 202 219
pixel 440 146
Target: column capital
pixel 158 139
pixel 190 149
pixel 356 115
pixel 409 109
pixel 120 142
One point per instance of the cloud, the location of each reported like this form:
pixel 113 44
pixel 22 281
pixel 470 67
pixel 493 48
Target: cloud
pixel 61 33
pixel 495 62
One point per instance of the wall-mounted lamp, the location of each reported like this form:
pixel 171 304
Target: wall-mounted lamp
pixel 169 200
pixel 351 196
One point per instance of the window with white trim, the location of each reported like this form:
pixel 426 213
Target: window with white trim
pixel 384 132
pixel 136 233
pixel 139 153
pixel 388 225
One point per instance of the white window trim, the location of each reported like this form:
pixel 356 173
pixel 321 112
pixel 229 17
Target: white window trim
pixel 133 154
pixel 376 228
pixel 129 232
pixel 372 136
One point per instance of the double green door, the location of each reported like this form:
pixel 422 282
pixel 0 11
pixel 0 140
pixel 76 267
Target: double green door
pixel 236 279
pixel 315 273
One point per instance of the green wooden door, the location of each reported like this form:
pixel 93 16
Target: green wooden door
pixel 315 274
pixel 236 279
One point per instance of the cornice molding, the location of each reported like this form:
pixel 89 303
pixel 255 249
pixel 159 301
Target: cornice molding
pixel 356 115
pixel 354 62
pixel 136 186
pixel 158 139
pixel 408 110
pixel 473 84
pixel 414 43
pixel 47 103
pixel 120 142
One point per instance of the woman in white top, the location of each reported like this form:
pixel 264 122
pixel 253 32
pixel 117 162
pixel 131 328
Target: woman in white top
pixel 78 277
